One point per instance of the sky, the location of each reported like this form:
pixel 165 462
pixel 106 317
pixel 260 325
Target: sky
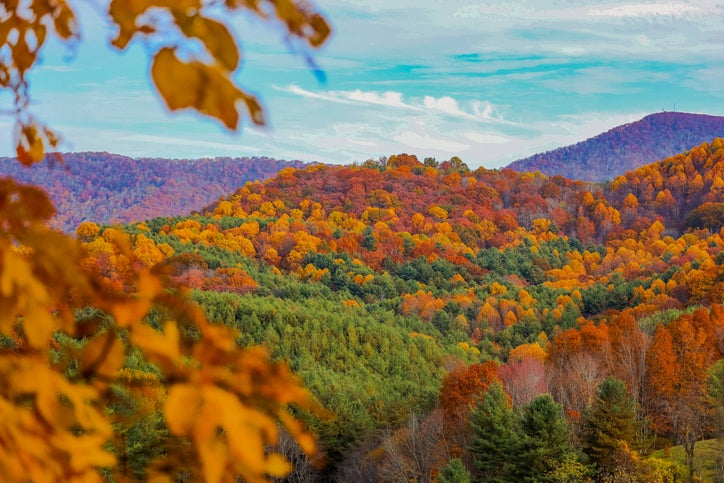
pixel 489 82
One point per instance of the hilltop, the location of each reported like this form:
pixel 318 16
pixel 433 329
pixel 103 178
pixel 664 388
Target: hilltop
pixel 110 188
pixel 623 148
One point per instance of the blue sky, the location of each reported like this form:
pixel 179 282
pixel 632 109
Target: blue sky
pixel 489 81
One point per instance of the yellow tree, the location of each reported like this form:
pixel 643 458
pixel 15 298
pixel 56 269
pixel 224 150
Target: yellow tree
pixel 60 374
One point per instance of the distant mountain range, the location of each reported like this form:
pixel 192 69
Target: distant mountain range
pixel 624 148
pixel 109 188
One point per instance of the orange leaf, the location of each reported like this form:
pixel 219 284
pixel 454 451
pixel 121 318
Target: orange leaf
pixel 216 38
pixel 196 85
pixel 155 344
pixel 277 466
pixel 103 355
pixel 182 408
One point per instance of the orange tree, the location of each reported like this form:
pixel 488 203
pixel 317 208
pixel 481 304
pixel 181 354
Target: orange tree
pixel 70 344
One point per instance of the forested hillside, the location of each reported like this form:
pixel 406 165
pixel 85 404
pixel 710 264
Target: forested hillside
pixel 458 322
pixel 109 188
pixel 627 147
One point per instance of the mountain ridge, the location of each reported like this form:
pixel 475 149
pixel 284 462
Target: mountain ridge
pixel 113 188
pixel 626 147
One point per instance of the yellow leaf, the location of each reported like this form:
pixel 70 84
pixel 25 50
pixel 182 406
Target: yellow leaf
pixel 148 285
pixel 214 456
pixel 196 85
pixel 103 356
pixel 178 82
pixel 182 408
pixel 129 312
pixel 87 452
pixel 38 325
pixel 216 38
pixel 155 344
pixel 277 466
pixel 296 429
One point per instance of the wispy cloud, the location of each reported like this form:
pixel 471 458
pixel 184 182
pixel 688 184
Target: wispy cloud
pixel 445 105
pixel 647 10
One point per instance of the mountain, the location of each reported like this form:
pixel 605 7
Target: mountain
pixel 613 153
pixel 110 188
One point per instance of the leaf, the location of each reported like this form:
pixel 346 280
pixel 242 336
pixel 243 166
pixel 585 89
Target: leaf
pixel 87 452
pixel 23 57
pixel 128 312
pixel 214 456
pixel 196 85
pixel 38 325
pixel 215 36
pixel 64 21
pixel 182 408
pixel 103 356
pixel 155 344
pixel 277 466
pixel 296 429
pixel 29 146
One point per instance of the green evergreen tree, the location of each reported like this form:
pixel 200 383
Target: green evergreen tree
pixel 493 423
pixel 454 472
pixel 544 442
pixel 607 422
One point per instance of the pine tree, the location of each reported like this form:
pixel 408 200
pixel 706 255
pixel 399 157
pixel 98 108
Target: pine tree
pixel 454 472
pixel 544 442
pixel 609 421
pixel 494 435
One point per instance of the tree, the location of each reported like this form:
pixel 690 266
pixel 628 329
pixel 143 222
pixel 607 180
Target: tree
pixel 454 472
pixel 61 376
pixel 716 398
pixel 607 423
pixel 495 437
pixel 677 362
pixel 544 441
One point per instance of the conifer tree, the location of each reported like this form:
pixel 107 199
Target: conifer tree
pixel 493 424
pixel 609 421
pixel 544 441
pixel 454 472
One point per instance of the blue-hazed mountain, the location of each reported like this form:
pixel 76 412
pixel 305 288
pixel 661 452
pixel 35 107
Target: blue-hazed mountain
pixel 626 147
pixel 110 188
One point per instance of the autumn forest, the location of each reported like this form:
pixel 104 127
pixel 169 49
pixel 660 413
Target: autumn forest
pixel 393 320
pixel 502 325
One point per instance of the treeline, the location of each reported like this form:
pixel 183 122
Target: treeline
pixel 109 188
pixel 435 312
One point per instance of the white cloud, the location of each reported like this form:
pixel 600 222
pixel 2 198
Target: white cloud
pixel 638 10
pixel 447 105
pixel 389 98
pixel 294 89
pixel 489 11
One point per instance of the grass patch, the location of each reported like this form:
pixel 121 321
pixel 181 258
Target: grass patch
pixel 705 458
